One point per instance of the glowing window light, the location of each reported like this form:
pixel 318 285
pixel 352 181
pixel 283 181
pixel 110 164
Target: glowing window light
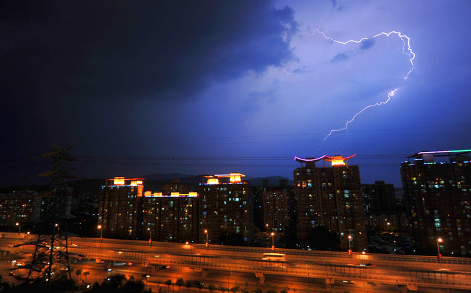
pixel 193 194
pixel 175 194
pixel 118 181
pixel 157 194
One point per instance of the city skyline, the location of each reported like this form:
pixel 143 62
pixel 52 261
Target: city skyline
pixel 215 87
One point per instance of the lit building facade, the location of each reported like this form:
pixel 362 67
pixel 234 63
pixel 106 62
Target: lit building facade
pixel 437 197
pixel 126 211
pixel 172 217
pixel 120 206
pixel 225 208
pixel 330 197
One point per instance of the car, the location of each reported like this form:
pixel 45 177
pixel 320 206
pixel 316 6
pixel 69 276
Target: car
pixel 11 273
pixel 165 267
pixel 108 269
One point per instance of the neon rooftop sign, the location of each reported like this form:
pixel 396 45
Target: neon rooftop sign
pixel 444 152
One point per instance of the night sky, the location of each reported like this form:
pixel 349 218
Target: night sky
pixel 206 87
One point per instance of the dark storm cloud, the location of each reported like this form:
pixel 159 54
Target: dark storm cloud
pixel 340 57
pixel 366 44
pixel 131 49
pixel 301 70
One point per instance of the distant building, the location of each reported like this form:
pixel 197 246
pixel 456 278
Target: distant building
pixel 225 208
pixel 330 197
pixel 275 209
pixel 380 205
pixel 379 198
pixel 18 207
pixel 437 200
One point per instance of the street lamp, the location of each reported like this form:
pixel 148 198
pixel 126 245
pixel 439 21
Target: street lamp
pixel 207 237
pixel 101 231
pixel 273 241
pixel 439 240
pixel 349 245
pixel 58 229
pixel 150 235
pixel 19 228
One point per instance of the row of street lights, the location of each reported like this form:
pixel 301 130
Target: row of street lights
pixel 439 240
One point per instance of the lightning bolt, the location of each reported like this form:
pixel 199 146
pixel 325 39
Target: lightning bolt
pixel 390 95
pixel 406 50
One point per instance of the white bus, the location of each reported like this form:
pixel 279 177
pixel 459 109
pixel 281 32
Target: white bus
pixel 274 256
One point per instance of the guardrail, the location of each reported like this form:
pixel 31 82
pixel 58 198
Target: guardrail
pixel 372 257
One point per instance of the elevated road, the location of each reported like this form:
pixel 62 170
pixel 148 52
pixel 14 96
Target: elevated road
pixel 407 270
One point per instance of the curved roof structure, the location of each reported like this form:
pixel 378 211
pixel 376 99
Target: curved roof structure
pixel 336 160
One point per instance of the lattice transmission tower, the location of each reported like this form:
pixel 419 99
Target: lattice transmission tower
pixel 51 256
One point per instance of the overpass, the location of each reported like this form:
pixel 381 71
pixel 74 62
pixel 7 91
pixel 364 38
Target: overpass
pixel 408 271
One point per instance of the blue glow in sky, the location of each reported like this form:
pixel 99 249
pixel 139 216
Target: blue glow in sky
pixel 207 87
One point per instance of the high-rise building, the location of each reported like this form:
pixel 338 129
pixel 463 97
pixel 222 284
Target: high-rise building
pixel 126 211
pixel 172 217
pixel 330 197
pixel 225 208
pixel 437 200
pixel 120 208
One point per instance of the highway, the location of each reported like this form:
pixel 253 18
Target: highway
pixel 369 272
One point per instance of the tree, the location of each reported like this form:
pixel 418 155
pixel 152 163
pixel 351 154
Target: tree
pixel 78 272
pixel 86 273
pixel 199 284
pixel 211 288
pixel 188 284
pixel 235 288
pixel 321 239
pixel 117 281
pixel 159 282
pixel 258 290
pixel 222 288
pixel 179 283
pixel 168 283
